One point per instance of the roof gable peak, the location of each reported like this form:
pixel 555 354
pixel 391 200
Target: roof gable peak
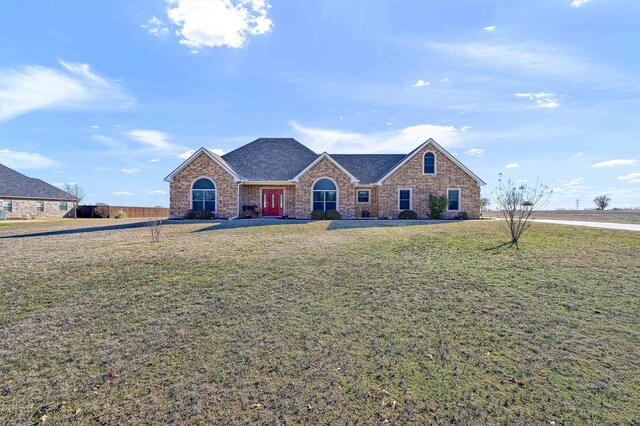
pixel 428 142
pixel 213 156
pixel 322 156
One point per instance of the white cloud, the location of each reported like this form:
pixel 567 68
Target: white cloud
pixel 108 141
pixel 540 99
pixel 218 22
pixel 401 140
pixel 579 154
pixel 490 28
pixel 574 188
pixel 512 166
pixel 613 163
pixel 35 87
pixel 190 152
pixel 155 139
pixel 93 126
pixel 25 160
pixel 150 142
pixel 123 193
pixel 572 182
pixel 186 154
pixel 465 128
pixel 579 3
pixel 475 152
pixel 445 80
pixel 130 170
pixel 526 58
pixel 157 191
pixel 156 27
pixel 631 178
pixel 421 83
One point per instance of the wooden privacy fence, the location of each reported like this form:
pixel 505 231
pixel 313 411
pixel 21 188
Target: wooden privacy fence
pixel 129 211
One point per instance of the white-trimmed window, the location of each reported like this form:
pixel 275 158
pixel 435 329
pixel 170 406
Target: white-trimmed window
pixel 7 206
pixel 404 199
pixel 363 195
pixel 429 163
pixel 325 195
pixel 203 195
pixel 40 206
pixel 64 206
pixel 453 197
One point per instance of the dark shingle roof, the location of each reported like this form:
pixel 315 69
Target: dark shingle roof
pixel 280 159
pixel 17 185
pixel 368 168
pixel 270 159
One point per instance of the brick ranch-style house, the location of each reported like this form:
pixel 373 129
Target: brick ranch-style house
pixel 22 197
pixel 282 177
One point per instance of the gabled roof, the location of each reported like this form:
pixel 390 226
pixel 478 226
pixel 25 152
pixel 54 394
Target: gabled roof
pixel 270 159
pixel 368 168
pixel 286 159
pixel 328 157
pixel 215 157
pixel 16 185
pixel 430 141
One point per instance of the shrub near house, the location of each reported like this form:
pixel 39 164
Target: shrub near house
pixel 285 178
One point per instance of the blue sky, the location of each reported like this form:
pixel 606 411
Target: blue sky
pixel 111 94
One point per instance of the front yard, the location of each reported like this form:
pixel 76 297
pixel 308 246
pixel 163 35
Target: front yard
pixel 322 322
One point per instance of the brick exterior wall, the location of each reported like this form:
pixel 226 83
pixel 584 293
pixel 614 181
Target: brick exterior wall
pixel 410 175
pixel 325 169
pixel 383 199
pixel 371 206
pixel 204 166
pixel 26 209
pixel 250 196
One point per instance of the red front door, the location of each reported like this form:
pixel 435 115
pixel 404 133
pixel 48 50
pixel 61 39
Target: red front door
pixel 272 202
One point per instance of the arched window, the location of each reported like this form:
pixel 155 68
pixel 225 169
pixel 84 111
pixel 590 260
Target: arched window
pixel 325 195
pixel 203 195
pixel 429 163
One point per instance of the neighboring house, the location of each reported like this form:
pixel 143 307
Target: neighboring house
pixel 283 177
pixel 22 197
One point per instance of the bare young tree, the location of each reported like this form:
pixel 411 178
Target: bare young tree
pixel 76 191
pixel 517 203
pixel 155 227
pixel 601 202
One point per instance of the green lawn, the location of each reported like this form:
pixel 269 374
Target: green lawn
pixel 320 323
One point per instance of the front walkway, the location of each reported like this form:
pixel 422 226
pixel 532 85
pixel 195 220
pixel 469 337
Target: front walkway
pixel 604 225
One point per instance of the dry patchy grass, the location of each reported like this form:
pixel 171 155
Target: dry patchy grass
pixel 343 322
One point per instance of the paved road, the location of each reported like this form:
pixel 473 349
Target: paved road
pixel 605 225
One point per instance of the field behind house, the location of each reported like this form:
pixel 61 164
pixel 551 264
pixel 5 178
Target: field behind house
pixel 322 322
